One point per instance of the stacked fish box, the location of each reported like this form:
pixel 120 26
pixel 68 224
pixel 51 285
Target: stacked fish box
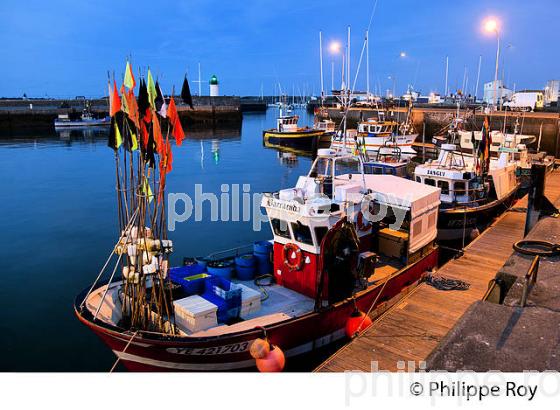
pixel 250 301
pixel 194 313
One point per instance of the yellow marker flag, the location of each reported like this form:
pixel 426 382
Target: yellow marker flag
pixel 129 80
pixel 151 86
pixel 118 137
pixel 124 102
pixel 147 190
pixel 134 141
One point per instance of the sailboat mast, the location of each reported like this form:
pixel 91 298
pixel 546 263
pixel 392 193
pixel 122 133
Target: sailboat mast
pixel 348 61
pixel 321 63
pixel 477 77
pixel 367 63
pixel 446 74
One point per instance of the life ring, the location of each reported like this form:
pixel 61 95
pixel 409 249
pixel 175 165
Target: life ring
pixel 360 222
pixel 292 262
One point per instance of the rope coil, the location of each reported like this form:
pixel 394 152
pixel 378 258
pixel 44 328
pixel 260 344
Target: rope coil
pixel 442 283
pixel 534 247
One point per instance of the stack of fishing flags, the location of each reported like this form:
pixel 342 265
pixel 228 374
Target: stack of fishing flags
pixel 136 123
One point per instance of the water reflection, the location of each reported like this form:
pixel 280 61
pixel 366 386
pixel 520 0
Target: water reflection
pixel 61 192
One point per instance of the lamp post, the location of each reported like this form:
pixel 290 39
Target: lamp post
pixel 491 26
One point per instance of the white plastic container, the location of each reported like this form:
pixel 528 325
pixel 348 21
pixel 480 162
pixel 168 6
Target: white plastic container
pixel 250 301
pixel 194 313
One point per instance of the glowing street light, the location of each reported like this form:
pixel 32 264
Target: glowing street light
pixel 334 47
pixel 491 26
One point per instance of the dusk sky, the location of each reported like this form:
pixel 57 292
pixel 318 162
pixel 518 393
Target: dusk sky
pixel 64 48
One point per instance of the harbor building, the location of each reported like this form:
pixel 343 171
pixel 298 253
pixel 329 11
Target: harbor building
pixel 551 92
pixel 502 92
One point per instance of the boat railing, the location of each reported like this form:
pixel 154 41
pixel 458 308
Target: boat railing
pixel 230 253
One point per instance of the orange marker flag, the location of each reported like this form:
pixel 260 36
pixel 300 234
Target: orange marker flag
pixel 132 108
pixel 158 138
pixel 173 117
pixel 115 100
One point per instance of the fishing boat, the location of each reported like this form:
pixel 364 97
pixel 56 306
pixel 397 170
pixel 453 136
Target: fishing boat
pixel 288 133
pixel 473 190
pixel 85 120
pixel 374 134
pixel 343 242
pixel 499 139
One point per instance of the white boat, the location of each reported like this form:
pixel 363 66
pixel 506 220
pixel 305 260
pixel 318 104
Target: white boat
pixel 498 139
pixel 85 120
pixel 469 199
pixel 373 135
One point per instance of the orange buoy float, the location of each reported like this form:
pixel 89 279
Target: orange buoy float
pixel 274 361
pixel 268 357
pixel 357 322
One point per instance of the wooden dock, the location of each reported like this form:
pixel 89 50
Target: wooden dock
pixel 404 336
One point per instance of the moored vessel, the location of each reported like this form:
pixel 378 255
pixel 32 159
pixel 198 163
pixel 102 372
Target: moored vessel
pixel 288 134
pixel 342 241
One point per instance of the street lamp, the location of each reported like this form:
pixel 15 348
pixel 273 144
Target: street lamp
pixel 491 26
pixel 334 48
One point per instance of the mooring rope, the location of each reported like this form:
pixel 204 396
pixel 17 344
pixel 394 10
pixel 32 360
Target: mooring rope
pixel 124 350
pixel 443 283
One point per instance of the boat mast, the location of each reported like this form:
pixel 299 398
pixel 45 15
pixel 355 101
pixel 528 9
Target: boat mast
pixel 446 75
pixel 477 77
pixel 321 64
pixel 367 64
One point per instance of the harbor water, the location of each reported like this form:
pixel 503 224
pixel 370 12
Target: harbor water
pixel 59 222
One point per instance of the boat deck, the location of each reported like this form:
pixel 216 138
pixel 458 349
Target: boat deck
pixel 403 337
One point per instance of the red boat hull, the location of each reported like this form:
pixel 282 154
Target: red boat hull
pixel 298 336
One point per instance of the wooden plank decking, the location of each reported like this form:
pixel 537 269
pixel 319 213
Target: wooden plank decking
pixel 412 329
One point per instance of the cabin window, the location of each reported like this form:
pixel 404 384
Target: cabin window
pixel 444 186
pixel 302 233
pixel 417 228
pixel 459 188
pixel 320 232
pixel 431 220
pixel 419 179
pixel 377 170
pixel 430 181
pixel 280 228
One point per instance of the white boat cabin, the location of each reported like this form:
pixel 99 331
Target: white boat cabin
pixel 287 123
pixel 393 217
pixel 454 173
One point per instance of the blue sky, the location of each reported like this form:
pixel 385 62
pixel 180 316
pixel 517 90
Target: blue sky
pixel 63 48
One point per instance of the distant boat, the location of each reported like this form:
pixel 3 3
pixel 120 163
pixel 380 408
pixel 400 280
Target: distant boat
pixel 373 135
pixel 85 120
pixel 288 133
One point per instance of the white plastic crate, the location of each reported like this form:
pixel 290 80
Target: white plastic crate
pixel 250 300
pixel 195 313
